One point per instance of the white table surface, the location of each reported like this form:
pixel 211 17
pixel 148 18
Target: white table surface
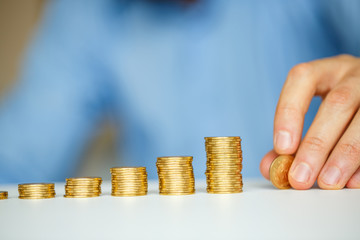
pixel 260 212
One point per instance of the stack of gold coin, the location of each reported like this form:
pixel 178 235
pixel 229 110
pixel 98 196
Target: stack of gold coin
pixel 3 195
pixel 176 175
pixel 224 164
pixel 128 181
pixel 36 190
pixel 83 187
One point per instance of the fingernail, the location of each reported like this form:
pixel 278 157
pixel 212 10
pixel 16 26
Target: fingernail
pixel 332 176
pixel 301 173
pixel 283 140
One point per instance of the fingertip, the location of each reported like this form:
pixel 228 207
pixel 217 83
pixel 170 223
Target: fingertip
pixel 266 162
pixel 300 174
pixel 298 185
pixel 329 178
pixel 324 186
pixel 353 184
pixel 354 181
pixel 284 142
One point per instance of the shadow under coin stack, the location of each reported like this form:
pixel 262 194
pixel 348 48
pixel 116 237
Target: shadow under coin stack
pixel 3 195
pixel 224 164
pixel 128 181
pixel 36 190
pixel 85 187
pixel 176 175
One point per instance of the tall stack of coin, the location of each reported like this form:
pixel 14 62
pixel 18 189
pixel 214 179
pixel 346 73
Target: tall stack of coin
pixel 36 190
pixel 128 181
pixel 83 187
pixel 224 164
pixel 3 195
pixel 176 175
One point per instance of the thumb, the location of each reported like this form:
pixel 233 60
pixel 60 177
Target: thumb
pixel 266 162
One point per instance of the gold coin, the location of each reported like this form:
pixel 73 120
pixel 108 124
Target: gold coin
pixel 80 196
pixel 83 187
pixel 130 170
pixel 36 184
pixel 177 193
pixel 127 194
pixel 223 164
pixel 128 181
pixel 3 195
pixel 85 178
pixel 36 190
pixel 223 191
pixel 36 197
pixel 176 157
pixel 279 171
pixel 232 138
pixel 176 175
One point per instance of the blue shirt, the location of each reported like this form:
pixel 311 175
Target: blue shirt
pixel 166 74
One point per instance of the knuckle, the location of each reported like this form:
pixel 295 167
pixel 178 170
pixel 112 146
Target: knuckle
pixel 345 56
pixel 314 144
pixel 339 97
pixel 350 150
pixel 353 76
pixel 300 71
pixel 289 111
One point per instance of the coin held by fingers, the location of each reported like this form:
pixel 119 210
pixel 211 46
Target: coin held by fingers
pixel 279 171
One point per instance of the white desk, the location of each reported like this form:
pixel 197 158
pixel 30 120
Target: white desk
pixel 260 212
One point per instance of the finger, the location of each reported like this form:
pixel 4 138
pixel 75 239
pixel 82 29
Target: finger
pixel 354 181
pixel 344 159
pixel 304 81
pixel 266 162
pixel 330 122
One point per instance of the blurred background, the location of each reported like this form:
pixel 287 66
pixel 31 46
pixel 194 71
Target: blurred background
pixel 18 21
pixel 116 82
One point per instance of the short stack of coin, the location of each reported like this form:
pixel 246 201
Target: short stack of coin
pixel 224 164
pixel 84 187
pixel 36 190
pixel 128 181
pixel 176 175
pixel 3 195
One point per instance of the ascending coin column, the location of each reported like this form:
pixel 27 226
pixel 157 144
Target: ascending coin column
pixel 36 190
pixel 83 187
pixel 176 175
pixel 3 195
pixel 224 164
pixel 128 181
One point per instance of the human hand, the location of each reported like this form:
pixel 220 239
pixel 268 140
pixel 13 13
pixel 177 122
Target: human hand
pixel 330 150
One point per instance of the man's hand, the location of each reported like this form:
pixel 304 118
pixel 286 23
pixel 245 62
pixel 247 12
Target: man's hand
pixel 330 150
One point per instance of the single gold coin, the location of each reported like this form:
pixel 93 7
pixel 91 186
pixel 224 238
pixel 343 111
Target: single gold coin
pixel 279 170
